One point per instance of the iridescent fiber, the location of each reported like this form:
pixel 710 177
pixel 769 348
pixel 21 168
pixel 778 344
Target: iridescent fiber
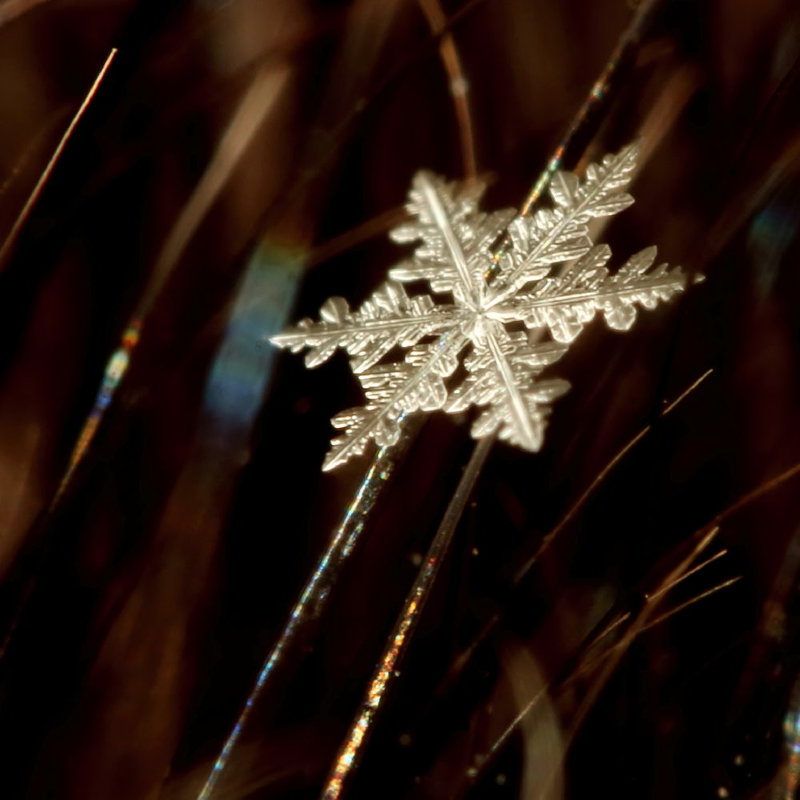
pixel 113 374
pixel 629 40
pixel 627 43
pixel 400 637
pixel 315 592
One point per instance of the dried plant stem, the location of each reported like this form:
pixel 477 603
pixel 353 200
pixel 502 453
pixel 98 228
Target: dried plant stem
pixel 375 226
pixel 402 633
pixel 636 627
pixel 642 622
pixel 663 589
pixel 614 655
pixel 465 656
pixel 603 474
pixel 22 218
pixel 486 759
pixel 696 599
pixel 459 86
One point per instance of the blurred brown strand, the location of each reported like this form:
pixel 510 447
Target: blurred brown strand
pixel 355 236
pixel 21 219
pixel 366 27
pixel 253 108
pixel 744 203
pixel 29 150
pixel 12 9
pixel 610 628
pixel 666 110
pixel 540 731
pixel 459 85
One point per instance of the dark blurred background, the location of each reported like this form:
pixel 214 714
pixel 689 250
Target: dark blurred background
pixel 241 161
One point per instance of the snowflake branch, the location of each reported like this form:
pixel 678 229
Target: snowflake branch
pixel 565 304
pixel 526 435
pixel 387 319
pixel 560 234
pixel 393 389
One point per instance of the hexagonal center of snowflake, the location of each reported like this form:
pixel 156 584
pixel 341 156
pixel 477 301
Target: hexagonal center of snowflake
pixel 482 326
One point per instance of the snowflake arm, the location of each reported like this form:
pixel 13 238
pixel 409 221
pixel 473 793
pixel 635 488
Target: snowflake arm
pixel 456 238
pixel 501 369
pixel 561 234
pixel 394 389
pixel 385 320
pixel 566 302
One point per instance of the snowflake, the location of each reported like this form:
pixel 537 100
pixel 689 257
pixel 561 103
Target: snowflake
pixel 489 315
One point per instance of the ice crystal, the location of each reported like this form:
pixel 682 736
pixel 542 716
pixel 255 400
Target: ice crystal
pixel 550 277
